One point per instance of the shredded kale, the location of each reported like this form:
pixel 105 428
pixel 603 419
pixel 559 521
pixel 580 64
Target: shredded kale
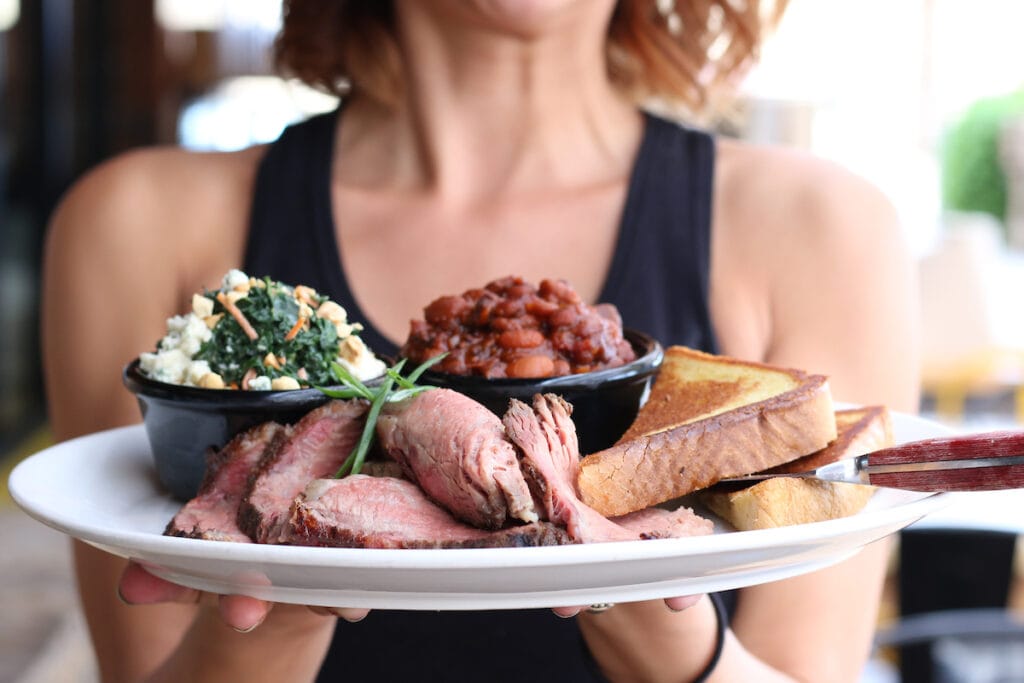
pixel 273 311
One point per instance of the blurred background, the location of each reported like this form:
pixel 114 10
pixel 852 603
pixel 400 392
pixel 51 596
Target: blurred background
pixel 925 98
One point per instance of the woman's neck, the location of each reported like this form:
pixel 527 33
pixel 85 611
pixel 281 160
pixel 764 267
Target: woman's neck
pixel 487 112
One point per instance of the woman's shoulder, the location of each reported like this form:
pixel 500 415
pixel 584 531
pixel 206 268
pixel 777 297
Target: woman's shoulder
pixel 161 182
pixel 160 200
pixel 786 197
pixel 792 240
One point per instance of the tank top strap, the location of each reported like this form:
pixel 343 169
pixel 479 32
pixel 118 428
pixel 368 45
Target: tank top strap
pixel 659 274
pixel 291 227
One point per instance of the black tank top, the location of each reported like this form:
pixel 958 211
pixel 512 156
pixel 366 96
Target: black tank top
pixel 658 279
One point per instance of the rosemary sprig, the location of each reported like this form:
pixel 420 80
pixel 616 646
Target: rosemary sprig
pixel 352 387
pixel 354 462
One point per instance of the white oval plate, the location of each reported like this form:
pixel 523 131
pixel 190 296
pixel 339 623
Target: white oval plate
pixel 102 489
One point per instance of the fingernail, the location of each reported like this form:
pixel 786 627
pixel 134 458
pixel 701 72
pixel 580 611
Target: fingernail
pixel 351 620
pixel 120 596
pixel 672 609
pixel 247 629
pixel 351 615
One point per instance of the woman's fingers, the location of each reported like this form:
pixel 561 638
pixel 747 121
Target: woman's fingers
pixel 350 614
pixel 677 604
pixel 241 612
pixel 681 603
pixel 139 587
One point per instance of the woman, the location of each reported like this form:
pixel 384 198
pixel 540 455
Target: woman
pixel 480 139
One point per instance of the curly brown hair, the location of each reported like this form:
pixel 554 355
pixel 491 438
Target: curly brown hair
pixel 686 53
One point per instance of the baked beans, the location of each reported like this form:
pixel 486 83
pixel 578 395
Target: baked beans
pixel 511 328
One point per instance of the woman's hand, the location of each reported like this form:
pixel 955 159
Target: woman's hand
pixel 244 613
pixel 241 612
pixel 677 604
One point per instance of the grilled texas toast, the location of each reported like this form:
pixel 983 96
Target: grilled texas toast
pixel 783 502
pixel 708 417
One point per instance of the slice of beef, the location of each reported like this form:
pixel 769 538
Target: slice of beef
pixel 456 450
pixel 383 512
pixel 659 523
pixel 316 447
pixel 546 437
pixel 213 513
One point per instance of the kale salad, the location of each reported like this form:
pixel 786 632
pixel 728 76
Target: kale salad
pixel 258 334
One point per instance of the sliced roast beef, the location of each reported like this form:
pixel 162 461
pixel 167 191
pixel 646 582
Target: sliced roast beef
pixel 316 447
pixel 658 523
pixel 213 513
pixel 383 512
pixel 546 437
pixel 470 480
pixel 456 450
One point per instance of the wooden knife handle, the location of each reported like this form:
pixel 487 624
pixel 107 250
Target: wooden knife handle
pixel 1000 444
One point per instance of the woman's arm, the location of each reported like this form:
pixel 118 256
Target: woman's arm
pixel 843 304
pixel 809 271
pixel 104 298
pixel 126 248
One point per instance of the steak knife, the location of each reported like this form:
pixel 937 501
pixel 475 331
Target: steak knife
pixel 987 461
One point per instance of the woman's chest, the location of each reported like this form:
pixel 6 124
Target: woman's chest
pixel 399 254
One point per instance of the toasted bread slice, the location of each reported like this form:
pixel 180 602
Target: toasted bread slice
pixel 784 502
pixel 708 417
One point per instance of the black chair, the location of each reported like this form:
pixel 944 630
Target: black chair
pixel 954 588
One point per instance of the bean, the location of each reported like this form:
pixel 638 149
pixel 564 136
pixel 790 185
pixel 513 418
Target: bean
pixel 502 324
pixel 531 366
pixel 541 308
pixel 519 291
pixel 444 309
pixel 563 340
pixel 559 290
pixel 481 313
pixel 520 339
pixel 487 330
pixel 523 322
pixel 588 326
pixel 564 317
pixel 509 308
pixel 584 352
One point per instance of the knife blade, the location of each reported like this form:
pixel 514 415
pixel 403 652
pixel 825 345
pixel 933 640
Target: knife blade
pixel 986 461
